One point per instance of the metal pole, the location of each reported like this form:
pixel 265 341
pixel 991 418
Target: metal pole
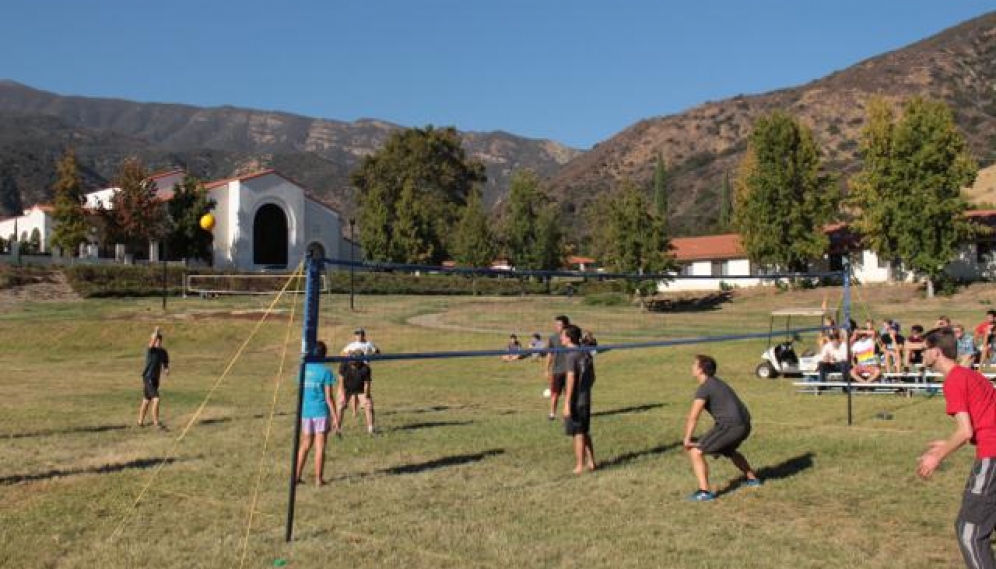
pixel 352 254
pixel 309 336
pixel 165 272
pixel 847 326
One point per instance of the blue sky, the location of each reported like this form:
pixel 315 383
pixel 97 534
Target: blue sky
pixel 573 71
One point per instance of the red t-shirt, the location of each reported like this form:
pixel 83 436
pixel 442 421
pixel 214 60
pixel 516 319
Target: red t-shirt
pixel 968 391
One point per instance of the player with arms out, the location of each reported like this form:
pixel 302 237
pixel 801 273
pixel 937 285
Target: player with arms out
pixel 971 400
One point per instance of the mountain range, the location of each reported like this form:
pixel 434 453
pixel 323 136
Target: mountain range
pixel 700 147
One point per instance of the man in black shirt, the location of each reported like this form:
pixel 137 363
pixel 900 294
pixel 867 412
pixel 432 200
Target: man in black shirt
pixel 731 429
pixel 355 385
pixel 580 376
pixel 156 361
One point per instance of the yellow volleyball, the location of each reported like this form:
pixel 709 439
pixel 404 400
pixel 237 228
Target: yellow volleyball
pixel 207 222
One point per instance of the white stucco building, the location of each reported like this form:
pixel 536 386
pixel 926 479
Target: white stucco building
pixel 263 221
pixel 36 218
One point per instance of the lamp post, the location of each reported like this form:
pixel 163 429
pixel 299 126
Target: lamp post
pixel 352 254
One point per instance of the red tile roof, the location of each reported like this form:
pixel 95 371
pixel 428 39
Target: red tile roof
pixel 167 173
pixel 575 260
pixel 708 247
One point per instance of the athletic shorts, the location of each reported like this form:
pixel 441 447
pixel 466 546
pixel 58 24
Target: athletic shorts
pixel 579 423
pixel 916 356
pixel 723 440
pixel 151 388
pixel 557 382
pixel 315 425
pixel 351 390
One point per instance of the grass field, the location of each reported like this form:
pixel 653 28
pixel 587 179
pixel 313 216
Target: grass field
pixel 467 471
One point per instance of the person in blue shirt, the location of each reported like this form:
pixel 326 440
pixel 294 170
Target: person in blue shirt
pixel 318 408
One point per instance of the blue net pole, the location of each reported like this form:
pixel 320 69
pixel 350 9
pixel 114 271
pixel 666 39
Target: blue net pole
pixel 847 324
pixel 309 335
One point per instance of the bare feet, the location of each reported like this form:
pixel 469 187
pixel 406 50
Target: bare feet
pixel 591 467
pixel 578 470
pixel 320 483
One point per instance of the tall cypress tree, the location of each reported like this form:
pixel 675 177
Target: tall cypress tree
pixel 69 223
pixel 783 198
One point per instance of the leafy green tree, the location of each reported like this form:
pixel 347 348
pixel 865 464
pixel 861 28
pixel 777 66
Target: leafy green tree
pixel 908 191
pixel 69 223
pixel 136 215
pixel 630 235
pixel 431 165
pixel 532 233
pixel 660 188
pixel 187 239
pixel 474 241
pixel 413 241
pixel 783 200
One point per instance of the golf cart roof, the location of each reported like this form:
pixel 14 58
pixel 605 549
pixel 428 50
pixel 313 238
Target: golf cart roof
pixel 799 312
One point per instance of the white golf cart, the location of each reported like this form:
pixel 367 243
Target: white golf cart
pixel 781 358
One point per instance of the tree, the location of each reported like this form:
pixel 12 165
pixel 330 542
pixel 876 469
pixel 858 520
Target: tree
pixel 190 202
pixel 473 241
pixel 138 215
pixel 909 188
pixel 725 205
pixel 660 188
pixel 432 167
pixel 34 242
pixel 69 223
pixel 782 198
pixel 532 231
pixel 630 235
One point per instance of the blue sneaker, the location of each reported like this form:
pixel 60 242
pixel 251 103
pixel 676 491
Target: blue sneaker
pixel 702 496
pixel 753 483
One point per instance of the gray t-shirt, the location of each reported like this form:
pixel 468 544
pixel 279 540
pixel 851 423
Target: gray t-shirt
pixel 722 403
pixel 581 364
pixel 559 358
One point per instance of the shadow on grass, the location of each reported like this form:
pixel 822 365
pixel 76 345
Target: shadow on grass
pixel 220 420
pixel 446 461
pixel 626 410
pixel 430 409
pixel 66 431
pixel 785 469
pixel 631 456
pixel 430 425
pixel 141 463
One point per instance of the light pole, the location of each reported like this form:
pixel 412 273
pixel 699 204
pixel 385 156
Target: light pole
pixel 352 255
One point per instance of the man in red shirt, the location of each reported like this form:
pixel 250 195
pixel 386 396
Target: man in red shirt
pixel 971 400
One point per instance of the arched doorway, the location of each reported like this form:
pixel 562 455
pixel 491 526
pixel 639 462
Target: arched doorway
pixel 269 236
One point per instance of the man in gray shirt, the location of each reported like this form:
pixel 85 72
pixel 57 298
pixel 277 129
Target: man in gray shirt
pixel 731 429
pixel 556 364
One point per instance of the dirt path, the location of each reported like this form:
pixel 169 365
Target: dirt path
pixel 51 287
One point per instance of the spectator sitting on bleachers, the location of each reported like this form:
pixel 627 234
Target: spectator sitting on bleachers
pixel 829 330
pixel 892 347
pixel 942 322
pixel 914 347
pixel 863 350
pixel 967 353
pixel 833 357
pixel 984 337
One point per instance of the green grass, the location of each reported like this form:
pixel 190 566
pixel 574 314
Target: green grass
pixel 467 471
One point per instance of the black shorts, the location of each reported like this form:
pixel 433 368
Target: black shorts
pixel 557 382
pixel 352 389
pixel 723 440
pixel 151 388
pixel 579 423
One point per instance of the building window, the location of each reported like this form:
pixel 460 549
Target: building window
pixel 686 270
pixel 720 268
pixel 882 263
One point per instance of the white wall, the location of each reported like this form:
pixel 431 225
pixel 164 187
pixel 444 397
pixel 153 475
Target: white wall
pixel 323 225
pixel 734 267
pixel 34 218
